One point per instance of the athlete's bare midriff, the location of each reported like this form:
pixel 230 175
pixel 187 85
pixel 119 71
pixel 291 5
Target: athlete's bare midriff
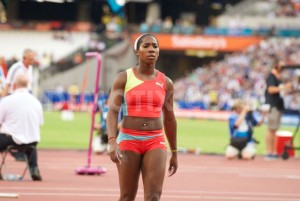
pixel 142 123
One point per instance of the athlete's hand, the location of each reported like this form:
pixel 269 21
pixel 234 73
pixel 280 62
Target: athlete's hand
pixel 173 165
pixel 114 152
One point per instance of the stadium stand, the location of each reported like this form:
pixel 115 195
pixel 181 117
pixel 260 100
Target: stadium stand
pixel 239 75
pixel 261 17
pixel 56 44
pixel 243 74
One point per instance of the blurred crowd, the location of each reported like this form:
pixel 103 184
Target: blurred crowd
pixel 290 8
pixel 187 25
pixel 184 25
pixel 240 75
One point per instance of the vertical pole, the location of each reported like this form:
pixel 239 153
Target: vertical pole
pixel 96 89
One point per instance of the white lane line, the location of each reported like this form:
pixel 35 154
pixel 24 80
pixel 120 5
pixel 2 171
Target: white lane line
pixel 9 195
pixel 234 193
pixel 293 177
pixel 248 198
pixel 188 192
pixel 284 176
pixel 168 196
pixel 239 169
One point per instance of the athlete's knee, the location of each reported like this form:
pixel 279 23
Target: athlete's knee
pixel 127 197
pixel 153 196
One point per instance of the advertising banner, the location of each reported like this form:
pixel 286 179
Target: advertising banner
pixel 203 42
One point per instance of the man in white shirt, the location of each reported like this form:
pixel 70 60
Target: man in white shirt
pixel 21 115
pixel 23 67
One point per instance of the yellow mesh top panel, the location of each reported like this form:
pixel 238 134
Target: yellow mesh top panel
pixel 132 81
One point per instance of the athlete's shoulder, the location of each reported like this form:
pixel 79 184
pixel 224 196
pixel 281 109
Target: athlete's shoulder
pixel 121 78
pixel 122 74
pixel 169 83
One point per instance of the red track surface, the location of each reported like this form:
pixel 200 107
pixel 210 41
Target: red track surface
pixel 204 177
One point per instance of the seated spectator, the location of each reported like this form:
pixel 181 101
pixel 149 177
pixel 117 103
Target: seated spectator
pixel 21 114
pixel 167 24
pixel 156 26
pixel 144 27
pixel 241 123
pixel 73 91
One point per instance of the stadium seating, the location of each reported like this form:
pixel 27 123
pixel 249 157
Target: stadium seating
pixel 41 42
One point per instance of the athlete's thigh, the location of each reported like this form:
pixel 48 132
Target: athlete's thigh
pixel 129 172
pixel 153 170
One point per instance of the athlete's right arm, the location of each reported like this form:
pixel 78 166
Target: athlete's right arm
pixel 114 104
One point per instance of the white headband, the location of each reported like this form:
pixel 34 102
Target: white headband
pixel 135 47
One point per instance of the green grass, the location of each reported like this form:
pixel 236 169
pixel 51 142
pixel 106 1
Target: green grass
pixel 208 135
pixel 212 136
pixel 56 133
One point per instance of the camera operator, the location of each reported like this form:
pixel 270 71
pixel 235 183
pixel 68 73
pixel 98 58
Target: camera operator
pixel 241 124
pixel 273 94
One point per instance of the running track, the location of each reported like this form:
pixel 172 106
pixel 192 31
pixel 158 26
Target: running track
pixel 202 177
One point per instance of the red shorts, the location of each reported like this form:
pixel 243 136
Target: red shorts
pixel 141 141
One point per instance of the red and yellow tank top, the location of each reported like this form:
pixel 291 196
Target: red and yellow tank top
pixel 144 98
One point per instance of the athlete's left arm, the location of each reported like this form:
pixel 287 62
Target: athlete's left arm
pixel 170 126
